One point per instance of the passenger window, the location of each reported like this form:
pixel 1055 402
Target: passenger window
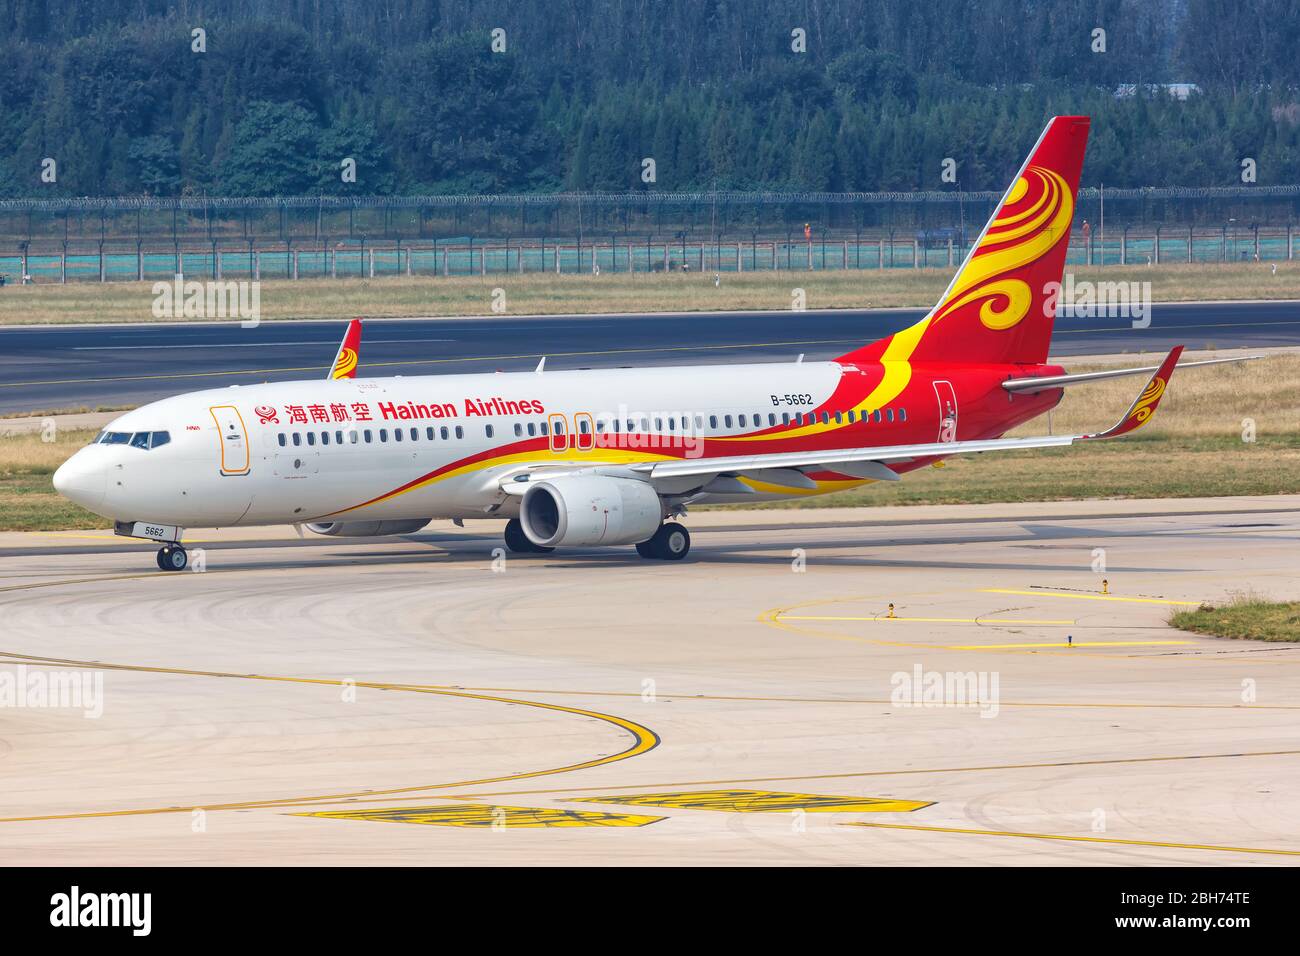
pixel 429 433
pixel 699 423
pixel 713 421
pixel 771 418
pixel 853 416
pixel 460 432
pixel 741 421
pixel 875 416
pixel 369 436
pixel 283 442
pixel 839 418
pixel 519 430
pixel 397 434
pixel 543 427
pixel 415 434
pixel 311 438
pixel 338 438
pixel 785 418
pixel 659 424
pixel 352 436
pixel 383 434
pixel 582 426
pixel 726 420
pixel 826 418
pixel 889 414
pixel 297 439
pixel 532 429
pixel 487 430
pixel 443 433
pixel 902 414
pixel 324 438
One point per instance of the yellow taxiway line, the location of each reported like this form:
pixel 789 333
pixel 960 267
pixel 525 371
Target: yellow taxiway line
pixel 927 620
pixel 1016 647
pixel 1079 839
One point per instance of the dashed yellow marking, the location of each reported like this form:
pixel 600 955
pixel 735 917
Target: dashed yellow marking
pixel 1015 647
pixel 478 815
pixel 761 801
pixel 1090 597
pixel 1080 839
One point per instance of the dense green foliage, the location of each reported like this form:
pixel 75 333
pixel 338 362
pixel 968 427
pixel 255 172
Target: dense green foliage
pixel 587 89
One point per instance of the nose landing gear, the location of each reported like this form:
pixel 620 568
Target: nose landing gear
pixel 172 557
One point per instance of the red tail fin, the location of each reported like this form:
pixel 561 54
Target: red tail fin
pixel 345 363
pixel 1000 306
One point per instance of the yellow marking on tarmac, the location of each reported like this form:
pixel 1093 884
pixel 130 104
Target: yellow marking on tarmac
pixel 643 740
pixel 1079 839
pixel 929 620
pixel 478 815
pixel 1090 597
pixel 762 801
pixel 1016 647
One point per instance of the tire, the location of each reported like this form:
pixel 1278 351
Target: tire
pixel 671 542
pixel 172 558
pixel 674 541
pixel 518 542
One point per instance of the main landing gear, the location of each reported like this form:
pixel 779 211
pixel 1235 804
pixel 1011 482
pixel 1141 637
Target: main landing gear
pixel 671 542
pixel 172 557
pixel 518 542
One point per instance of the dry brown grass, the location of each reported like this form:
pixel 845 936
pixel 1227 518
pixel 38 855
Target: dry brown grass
pixel 1202 402
pixel 545 293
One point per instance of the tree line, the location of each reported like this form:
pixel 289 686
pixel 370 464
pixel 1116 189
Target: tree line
pixel 302 97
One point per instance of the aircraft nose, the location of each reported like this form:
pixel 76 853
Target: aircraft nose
pixel 82 481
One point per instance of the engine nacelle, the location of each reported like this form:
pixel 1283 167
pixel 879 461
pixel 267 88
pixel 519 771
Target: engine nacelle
pixel 590 509
pixel 367 529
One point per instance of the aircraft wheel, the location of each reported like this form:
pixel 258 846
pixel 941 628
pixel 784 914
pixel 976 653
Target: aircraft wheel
pixel 518 542
pixel 671 542
pixel 172 557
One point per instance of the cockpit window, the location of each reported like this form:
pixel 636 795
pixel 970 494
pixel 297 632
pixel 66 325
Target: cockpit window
pixel 134 439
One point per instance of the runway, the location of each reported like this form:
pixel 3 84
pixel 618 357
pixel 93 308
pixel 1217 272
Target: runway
pixel 44 369
pixel 427 700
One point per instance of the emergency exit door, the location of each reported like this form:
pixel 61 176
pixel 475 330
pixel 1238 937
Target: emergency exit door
pixel 947 397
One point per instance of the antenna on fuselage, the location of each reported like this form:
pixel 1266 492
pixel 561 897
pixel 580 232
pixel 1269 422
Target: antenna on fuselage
pixel 541 365
pixel 799 360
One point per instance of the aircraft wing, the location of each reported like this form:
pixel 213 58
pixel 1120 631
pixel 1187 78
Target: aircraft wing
pixel 1139 414
pixel 345 362
pixel 870 463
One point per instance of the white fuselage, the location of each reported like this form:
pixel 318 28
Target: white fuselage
pixel 326 450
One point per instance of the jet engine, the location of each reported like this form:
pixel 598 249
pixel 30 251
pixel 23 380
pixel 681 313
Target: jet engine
pixel 590 509
pixel 367 529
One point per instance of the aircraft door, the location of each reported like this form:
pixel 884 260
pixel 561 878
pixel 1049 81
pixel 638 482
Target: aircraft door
pixel 947 397
pixel 233 438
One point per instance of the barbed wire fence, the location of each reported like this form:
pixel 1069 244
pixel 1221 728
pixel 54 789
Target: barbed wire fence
pixel 104 238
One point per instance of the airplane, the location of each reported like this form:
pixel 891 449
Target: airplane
pixel 615 457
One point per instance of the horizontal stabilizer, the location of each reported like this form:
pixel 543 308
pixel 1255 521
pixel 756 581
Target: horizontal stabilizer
pixel 1029 386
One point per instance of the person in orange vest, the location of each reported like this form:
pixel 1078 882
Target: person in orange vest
pixel 807 231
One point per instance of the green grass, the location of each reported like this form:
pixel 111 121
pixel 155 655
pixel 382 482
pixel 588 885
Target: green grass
pixel 1245 618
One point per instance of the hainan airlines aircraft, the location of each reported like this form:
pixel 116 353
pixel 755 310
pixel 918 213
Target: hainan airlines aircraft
pixel 612 457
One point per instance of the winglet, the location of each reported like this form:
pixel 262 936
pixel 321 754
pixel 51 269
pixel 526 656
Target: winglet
pixel 345 363
pixel 1144 406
